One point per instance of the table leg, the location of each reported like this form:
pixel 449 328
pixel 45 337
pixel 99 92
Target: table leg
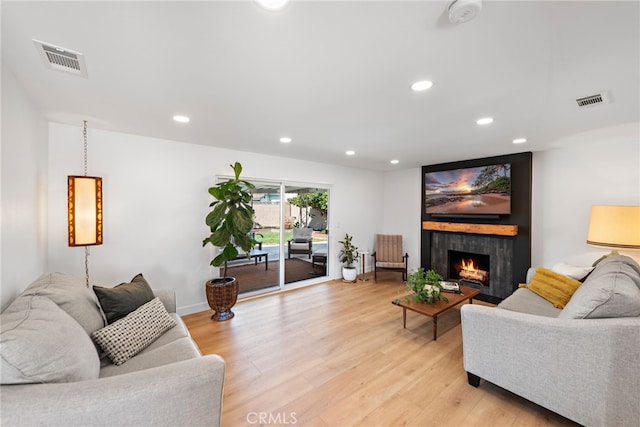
pixel 266 262
pixel 404 317
pixel 435 327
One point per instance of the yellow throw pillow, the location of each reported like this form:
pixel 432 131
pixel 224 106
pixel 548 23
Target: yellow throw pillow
pixel 554 287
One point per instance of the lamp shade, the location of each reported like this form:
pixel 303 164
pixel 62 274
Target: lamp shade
pixel 84 197
pixel 614 227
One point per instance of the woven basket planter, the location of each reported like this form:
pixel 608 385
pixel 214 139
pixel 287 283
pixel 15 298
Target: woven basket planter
pixel 222 294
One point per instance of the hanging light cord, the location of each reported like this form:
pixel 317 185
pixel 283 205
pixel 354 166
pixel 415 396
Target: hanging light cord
pixel 84 135
pixel 86 248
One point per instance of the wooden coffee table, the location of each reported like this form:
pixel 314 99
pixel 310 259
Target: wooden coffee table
pixel 433 310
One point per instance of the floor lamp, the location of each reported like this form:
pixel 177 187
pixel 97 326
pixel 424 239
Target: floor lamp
pixel 614 227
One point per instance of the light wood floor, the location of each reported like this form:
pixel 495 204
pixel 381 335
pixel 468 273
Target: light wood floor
pixel 336 354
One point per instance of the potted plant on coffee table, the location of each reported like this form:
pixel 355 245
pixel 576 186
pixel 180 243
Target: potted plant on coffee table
pixel 425 286
pixel 230 222
pixel 347 256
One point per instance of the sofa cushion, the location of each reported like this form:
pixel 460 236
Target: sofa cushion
pixel 555 288
pixel 611 290
pixel 175 351
pixel 71 294
pixel 124 298
pixel 40 343
pixel 126 337
pixel 525 301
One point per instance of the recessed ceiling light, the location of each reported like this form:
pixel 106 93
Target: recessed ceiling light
pixel 421 85
pixel 181 119
pixel 285 140
pixel 394 161
pixel 350 152
pixel 272 4
pixel 520 140
pixel 485 121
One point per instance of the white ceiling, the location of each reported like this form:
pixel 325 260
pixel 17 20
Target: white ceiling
pixel 335 75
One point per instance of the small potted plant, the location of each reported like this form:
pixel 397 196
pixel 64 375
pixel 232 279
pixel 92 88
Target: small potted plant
pixel 347 256
pixel 231 223
pixel 425 286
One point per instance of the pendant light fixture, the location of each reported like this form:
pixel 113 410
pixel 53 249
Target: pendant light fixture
pixel 84 213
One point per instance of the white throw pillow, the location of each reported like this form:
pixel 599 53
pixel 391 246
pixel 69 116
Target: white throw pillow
pixel 128 336
pixel 573 271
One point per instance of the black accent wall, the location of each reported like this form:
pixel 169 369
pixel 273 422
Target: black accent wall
pixel 521 191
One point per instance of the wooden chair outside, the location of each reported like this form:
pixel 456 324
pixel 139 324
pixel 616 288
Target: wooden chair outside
pixel 388 255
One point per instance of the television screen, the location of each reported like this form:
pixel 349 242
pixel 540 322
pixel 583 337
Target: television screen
pixel 479 190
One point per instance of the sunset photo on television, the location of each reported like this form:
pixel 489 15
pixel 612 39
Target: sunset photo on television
pixel 479 190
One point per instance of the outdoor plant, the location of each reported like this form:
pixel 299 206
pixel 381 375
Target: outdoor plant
pixel 425 286
pixel 230 219
pixel 349 253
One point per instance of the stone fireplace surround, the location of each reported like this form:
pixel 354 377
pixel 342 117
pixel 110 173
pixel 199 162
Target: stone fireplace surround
pixel 500 250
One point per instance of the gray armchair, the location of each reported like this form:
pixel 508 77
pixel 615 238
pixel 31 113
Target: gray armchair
pixel 301 242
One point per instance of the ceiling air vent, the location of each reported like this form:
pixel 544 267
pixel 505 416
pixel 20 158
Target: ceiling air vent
pixel 593 100
pixel 61 59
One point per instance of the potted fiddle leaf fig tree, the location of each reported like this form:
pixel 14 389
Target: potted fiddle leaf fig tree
pixel 231 222
pixel 347 256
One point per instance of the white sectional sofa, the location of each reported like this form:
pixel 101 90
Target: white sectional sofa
pixel 580 361
pixel 54 374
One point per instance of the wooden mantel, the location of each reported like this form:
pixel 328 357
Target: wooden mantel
pixel 457 227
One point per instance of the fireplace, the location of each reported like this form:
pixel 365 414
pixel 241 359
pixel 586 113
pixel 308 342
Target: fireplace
pixel 469 268
pixel 494 258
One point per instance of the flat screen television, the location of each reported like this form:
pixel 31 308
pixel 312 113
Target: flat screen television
pixel 484 190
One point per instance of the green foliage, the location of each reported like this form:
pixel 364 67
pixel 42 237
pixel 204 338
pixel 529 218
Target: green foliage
pixel 319 201
pixel 493 178
pixel 231 218
pixel 425 286
pixel 349 253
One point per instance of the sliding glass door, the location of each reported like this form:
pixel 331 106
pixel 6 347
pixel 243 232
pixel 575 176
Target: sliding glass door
pixel 290 229
pixel 306 215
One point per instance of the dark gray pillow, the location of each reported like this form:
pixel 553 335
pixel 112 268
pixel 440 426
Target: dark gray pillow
pixel 121 300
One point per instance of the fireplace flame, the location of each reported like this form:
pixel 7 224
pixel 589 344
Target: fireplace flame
pixel 469 265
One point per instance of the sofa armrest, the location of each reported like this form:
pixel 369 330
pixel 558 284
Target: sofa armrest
pixel 168 298
pixel 186 392
pixel 583 369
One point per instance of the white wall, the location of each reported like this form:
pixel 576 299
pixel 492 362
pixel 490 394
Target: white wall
pixel 568 181
pixel 24 166
pixel 401 209
pixel 155 201
pixel 599 168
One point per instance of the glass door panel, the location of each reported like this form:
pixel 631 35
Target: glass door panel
pixel 260 271
pixel 305 233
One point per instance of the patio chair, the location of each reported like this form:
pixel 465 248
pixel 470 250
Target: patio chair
pixel 388 255
pixel 300 242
